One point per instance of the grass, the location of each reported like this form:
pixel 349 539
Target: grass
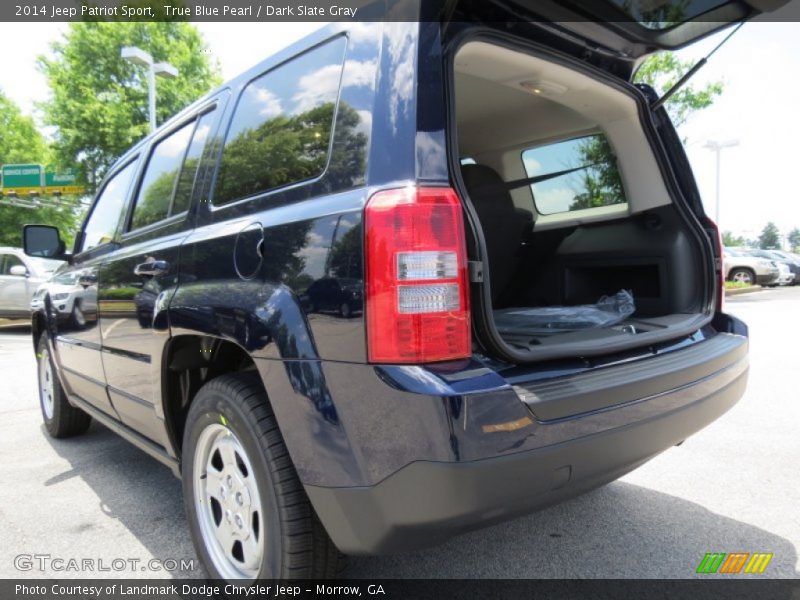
pixel 736 285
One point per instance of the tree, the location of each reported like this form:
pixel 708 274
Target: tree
pixel 602 184
pixel 99 101
pixel 794 239
pixel 21 142
pixel 770 237
pixel 661 71
pixel 730 240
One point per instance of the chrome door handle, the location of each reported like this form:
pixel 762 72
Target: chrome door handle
pixel 153 268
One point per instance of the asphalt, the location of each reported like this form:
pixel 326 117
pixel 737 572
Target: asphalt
pixel 733 487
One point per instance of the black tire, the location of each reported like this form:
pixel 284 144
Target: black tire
pixel 296 545
pixel 345 310
pixel 77 318
pixel 61 419
pixel 743 275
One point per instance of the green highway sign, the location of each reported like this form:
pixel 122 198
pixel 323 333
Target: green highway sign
pixel 68 177
pixel 22 176
pixel 33 180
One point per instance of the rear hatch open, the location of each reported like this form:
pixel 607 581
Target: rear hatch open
pixel 651 241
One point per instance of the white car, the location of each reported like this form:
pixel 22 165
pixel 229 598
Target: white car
pixel 69 300
pixel 20 278
pixel 786 276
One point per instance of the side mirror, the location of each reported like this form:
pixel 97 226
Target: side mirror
pixel 43 241
pixel 18 271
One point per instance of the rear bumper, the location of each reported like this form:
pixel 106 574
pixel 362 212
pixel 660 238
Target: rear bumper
pixel 427 502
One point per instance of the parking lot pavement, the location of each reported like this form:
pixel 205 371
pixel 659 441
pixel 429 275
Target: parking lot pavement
pixel 733 487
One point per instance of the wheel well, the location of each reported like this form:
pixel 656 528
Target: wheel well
pixel 191 362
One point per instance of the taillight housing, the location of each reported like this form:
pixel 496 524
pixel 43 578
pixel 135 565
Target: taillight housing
pixel 417 295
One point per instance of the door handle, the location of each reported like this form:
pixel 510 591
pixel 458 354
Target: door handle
pixel 154 268
pixel 87 280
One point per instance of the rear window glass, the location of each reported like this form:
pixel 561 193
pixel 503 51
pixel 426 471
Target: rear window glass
pixel 573 175
pixel 281 130
pixel 663 14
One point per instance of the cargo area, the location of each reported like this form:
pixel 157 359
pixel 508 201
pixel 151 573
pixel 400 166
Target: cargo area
pixel 586 248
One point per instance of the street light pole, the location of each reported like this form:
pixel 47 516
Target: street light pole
pixel 717 147
pixel 139 57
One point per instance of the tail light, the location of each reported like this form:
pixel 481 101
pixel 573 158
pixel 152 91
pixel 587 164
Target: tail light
pixel 416 267
pixel 719 255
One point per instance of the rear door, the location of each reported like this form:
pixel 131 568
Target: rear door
pixel 137 281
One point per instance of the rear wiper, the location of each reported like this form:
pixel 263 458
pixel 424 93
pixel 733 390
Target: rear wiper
pixel 690 73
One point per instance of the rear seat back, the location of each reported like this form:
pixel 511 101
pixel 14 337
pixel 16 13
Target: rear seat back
pixel 504 225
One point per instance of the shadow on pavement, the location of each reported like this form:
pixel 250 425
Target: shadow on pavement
pixel 621 530
pixel 133 488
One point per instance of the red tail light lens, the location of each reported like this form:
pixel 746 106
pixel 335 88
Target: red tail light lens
pixel 416 266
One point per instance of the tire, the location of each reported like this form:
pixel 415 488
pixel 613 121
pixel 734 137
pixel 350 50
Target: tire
pixel 248 513
pixel 61 419
pixel 345 310
pixel 77 317
pixel 743 275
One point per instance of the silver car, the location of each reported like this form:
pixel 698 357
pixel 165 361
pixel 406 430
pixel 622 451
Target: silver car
pixel 20 277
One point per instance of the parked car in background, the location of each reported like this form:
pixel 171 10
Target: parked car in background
pixel 20 277
pixel 790 267
pixel 69 300
pixel 340 294
pixel 744 268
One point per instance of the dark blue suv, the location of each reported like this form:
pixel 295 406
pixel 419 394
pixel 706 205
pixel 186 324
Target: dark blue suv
pixel 488 184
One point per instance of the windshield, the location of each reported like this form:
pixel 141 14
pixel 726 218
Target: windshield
pixel 663 14
pixel 67 279
pixel 44 265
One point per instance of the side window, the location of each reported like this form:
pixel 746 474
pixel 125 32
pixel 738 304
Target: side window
pixel 103 221
pixel 183 191
pixel 593 179
pixel 281 130
pixel 7 261
pixel 160 175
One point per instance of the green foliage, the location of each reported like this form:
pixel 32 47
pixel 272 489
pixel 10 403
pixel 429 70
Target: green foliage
pixel 279 151
pixel 99 101
pixel 346 256
pixel 730 240
pixel 21 142
pixel 661 71
pixel 770 238
pixel 794 239
pixel 602 182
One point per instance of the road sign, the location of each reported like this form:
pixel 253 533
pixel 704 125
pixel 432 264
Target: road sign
pixel 22 176
pixel 68 177
pixel 64 189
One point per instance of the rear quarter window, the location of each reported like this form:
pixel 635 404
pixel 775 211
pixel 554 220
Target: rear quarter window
pixel 280 132
pixel 574 174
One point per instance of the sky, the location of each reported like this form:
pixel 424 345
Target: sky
pixel 758 67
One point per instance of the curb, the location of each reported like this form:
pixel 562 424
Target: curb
pixel 746 290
